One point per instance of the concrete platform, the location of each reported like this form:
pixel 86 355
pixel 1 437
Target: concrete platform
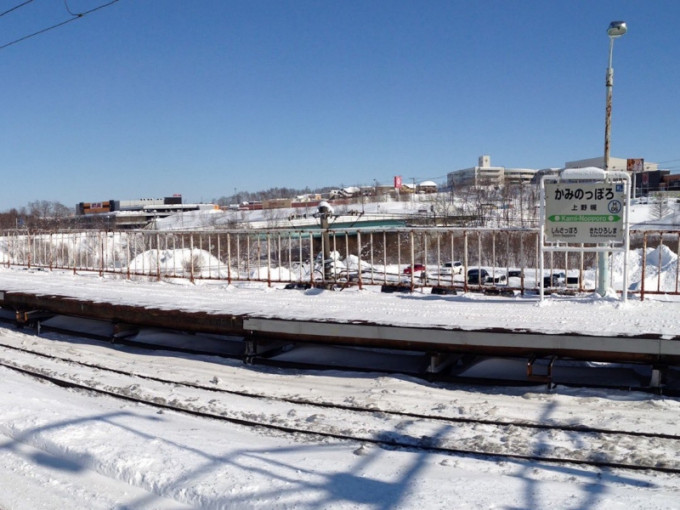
pixel 647 348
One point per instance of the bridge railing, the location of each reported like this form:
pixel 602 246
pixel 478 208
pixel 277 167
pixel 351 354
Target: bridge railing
pixel 445 259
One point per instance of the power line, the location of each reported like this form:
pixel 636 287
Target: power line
pixel 15 8
pixel 61 24
pixel 69 10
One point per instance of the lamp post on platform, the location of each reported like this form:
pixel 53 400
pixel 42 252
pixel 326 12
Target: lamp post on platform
pixel 616 29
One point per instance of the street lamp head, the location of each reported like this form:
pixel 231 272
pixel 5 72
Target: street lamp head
pixel 617 29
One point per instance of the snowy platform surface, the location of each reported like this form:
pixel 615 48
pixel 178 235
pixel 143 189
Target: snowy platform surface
pixel 590 315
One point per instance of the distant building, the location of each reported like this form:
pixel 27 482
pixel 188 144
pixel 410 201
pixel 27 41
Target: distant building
pixel 407 187
pixel 518 175
pixel 645 176
pixel 652 181
pixel 617 164
pixel 427 187
pixel 486 175
pixel 672 182
pixel 382 189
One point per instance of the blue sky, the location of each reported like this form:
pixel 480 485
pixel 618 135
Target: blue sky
pixel 146 98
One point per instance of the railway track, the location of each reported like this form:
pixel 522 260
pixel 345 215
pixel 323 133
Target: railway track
pixel 378 422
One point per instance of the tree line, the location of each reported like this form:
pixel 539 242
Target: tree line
pixel 40 214
pixel 269 194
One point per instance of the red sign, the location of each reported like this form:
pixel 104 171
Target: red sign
pixel 397 181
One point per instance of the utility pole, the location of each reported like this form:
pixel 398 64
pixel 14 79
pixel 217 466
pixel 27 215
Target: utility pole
pixel 616 29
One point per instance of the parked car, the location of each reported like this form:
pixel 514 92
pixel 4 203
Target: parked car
pixel 478 276
pixel 417 269
pixel 553 280
pixel 515 273
pixel 451 268
pixel 560 280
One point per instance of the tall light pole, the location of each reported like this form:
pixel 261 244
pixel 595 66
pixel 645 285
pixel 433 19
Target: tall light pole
pixel 616 29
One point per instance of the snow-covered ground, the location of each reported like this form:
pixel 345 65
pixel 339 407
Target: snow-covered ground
pixel 67 449
pixel 62 448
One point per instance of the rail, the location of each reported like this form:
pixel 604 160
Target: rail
pixel 444 259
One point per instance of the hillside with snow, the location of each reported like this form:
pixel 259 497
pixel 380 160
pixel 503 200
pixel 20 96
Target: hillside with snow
pixel 645 214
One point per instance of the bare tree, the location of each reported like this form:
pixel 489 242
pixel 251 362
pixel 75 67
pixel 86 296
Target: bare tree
pixel 660 207
pixel 47 214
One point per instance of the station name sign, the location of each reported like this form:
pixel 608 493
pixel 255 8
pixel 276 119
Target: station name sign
pixel 584 212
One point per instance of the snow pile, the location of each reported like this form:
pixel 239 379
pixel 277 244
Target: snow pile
pixel 93 249
pixel 281 274
pixel 196 220
pixel 660 269
pixel 661 257
pixel 182 262
pixel 302 272
pixel 352 263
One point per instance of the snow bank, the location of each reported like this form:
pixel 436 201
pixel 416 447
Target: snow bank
pixel 179 262
pixel 660 269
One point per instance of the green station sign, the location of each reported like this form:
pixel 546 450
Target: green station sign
pixel 589 213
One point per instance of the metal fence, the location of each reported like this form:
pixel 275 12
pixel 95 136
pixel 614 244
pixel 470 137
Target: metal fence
pixel 495 260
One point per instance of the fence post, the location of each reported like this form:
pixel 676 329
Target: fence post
pixel 413 256
pixel 677 266
pixel 75 252
pixel 248 256
pixel 385 255
pixel 311 258
pixel 358 259
pixel 644 266
pixel 158 257
pixel 269 259
pixel 658 262
pixel 465 260
pixel 101 252
pixel 522 262
pixel 191 258
pixel 30 249
pixel 229 258
pixel 127 255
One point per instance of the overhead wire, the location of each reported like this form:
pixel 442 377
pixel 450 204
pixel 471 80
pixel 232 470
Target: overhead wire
pixel 69 9
pixel 57 25
pixel 15 8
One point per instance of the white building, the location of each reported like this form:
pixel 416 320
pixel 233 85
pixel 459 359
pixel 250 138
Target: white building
pixel 486 175
pixel 519 175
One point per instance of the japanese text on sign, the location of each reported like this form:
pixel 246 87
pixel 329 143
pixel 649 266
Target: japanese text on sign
pixel 584 194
